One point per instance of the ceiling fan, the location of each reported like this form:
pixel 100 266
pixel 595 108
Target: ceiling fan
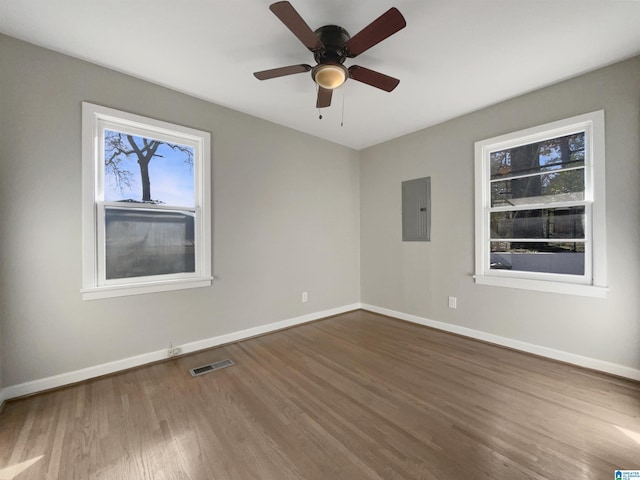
pixel 331 45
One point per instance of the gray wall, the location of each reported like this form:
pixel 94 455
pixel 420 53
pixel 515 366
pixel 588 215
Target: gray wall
pixel 290 213
pixel 416 278
pixel 285 219
pixel 1 346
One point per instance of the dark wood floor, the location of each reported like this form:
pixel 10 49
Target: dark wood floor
pixel 356 396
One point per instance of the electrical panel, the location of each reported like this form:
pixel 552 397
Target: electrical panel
pixel 416 210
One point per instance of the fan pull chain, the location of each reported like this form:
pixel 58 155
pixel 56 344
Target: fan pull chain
pixel 342 119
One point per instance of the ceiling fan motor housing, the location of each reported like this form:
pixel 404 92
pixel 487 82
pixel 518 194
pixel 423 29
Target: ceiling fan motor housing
pixel 334 39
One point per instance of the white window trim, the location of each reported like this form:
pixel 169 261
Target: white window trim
pixel 94 286
pixel 594 283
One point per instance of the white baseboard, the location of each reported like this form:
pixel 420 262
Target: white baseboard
pixel 3 397
pixel 68 378
pixel 572 358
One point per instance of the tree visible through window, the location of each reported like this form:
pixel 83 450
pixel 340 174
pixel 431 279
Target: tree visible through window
pixel 143 242
pixel 540 207
pixel 127 164
pixel 551 172
pixel 151 191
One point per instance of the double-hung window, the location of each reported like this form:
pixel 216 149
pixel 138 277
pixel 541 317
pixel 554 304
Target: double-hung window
pixel 540 208
pixel 146 205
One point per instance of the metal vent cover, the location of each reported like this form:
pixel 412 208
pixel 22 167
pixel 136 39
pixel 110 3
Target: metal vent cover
pixel 211 367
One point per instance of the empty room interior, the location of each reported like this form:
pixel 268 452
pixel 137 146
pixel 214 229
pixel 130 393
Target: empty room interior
pixel 319 240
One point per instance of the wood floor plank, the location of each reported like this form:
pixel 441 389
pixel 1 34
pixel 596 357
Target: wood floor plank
pixel 355 396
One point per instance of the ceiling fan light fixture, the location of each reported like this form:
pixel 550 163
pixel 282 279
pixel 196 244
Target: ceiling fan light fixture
pixel 330 75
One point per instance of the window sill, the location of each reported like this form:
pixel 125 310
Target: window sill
pixel 95 293
pixel 544 286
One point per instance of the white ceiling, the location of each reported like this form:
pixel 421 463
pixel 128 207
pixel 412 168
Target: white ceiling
pixel 454 56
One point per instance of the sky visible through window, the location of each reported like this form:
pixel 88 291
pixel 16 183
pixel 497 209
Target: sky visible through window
pixel 171 177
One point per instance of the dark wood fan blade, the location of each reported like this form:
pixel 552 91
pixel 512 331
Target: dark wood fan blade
pixel 382 27
pixel 373 78
pixel 324 97
pixel 281 72
pixel 294 22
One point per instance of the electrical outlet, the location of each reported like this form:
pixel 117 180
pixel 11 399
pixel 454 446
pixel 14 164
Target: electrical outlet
pixel 305 297
pixel 172 351
pixel 453 302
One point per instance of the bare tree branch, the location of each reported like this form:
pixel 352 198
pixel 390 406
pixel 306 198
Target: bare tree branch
pixel 188 151
pixel 118 146
pixel 114 148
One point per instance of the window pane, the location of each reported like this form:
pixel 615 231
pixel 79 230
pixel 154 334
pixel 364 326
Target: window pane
pixel 554 154
pixel 562 258
pixel 148 242
pixel 539 224
pixel 144 170
pixel 563 186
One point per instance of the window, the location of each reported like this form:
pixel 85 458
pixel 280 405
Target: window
pixel 146 197
pixel 540 208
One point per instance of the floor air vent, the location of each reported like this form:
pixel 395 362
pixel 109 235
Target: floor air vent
pixel 212 367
